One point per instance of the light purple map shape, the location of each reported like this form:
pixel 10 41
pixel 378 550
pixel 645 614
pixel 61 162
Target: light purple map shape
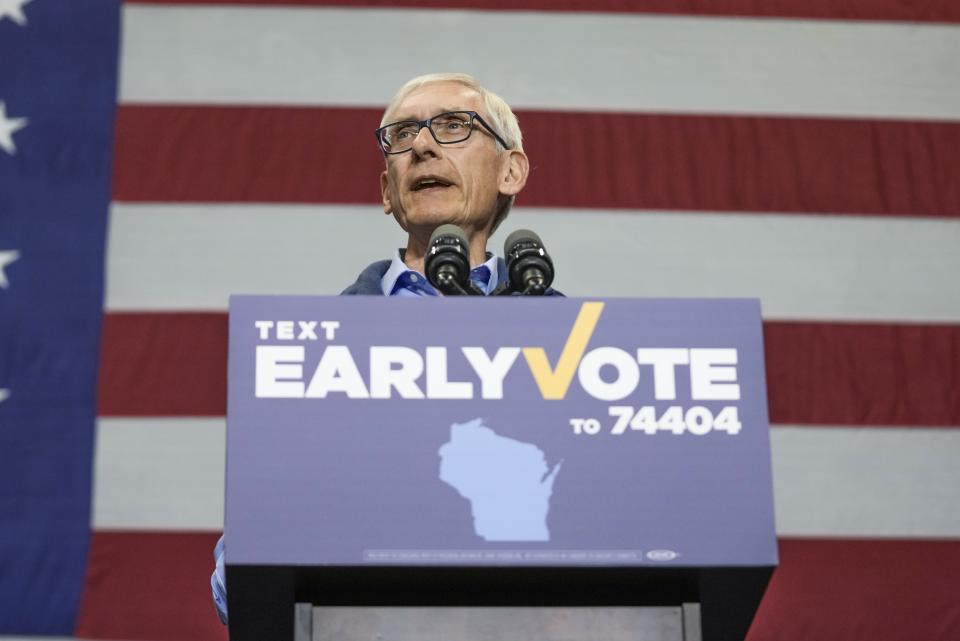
pixel 348 481
pixel 506 481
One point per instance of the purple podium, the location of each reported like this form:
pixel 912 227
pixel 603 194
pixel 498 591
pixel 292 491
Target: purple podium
pixel 496 452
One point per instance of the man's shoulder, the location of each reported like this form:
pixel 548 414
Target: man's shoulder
pixel 368 282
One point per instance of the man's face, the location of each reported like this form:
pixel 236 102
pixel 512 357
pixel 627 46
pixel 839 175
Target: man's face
pixel 471 174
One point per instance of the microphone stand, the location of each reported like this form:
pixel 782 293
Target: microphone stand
pixel 447 283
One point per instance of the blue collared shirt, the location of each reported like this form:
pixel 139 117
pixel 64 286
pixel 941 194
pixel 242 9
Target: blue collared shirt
pixel 400 280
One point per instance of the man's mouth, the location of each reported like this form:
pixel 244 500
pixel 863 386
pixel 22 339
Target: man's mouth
pixel 430 182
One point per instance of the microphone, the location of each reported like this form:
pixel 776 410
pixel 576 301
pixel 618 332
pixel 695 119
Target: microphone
pixel 528 265
pixel 448 262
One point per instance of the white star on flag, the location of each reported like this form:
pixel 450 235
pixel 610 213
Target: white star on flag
pixel 9 126
pixel 6 257
pixel 13 9
pixel 4 394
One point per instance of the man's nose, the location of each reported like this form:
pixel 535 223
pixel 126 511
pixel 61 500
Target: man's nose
pixel 425 144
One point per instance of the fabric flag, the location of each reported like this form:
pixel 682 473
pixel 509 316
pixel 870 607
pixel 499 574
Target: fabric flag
pixel 803 152
pixel 57 103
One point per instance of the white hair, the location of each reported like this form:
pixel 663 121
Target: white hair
pixel 498 113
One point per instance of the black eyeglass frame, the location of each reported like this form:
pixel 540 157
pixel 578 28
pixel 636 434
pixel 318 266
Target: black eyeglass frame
pixel 426 123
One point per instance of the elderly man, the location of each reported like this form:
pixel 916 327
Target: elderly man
pixel 454 154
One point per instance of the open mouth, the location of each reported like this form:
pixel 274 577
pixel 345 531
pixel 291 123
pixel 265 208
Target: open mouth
pixel 429 183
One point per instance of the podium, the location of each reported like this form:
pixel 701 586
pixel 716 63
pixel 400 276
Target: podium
pixel 484 468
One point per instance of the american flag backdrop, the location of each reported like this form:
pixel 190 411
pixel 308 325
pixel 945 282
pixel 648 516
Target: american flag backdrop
pixel 156 156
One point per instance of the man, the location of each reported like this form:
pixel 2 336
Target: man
pixel 454 154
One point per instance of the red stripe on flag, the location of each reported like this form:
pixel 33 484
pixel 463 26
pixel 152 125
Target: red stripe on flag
pixel 148 585
pixel 246 154
pixel 841 589
pixel 579 160
pixel 863 374
pixel 163 364
pixel 917 10
pixel 169 364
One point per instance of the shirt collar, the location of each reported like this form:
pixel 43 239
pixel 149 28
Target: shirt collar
pixel 398 268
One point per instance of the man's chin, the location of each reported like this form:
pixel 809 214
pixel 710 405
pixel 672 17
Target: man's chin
pixel 430 220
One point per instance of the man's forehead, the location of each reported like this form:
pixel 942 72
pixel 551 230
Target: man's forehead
pixel 437 97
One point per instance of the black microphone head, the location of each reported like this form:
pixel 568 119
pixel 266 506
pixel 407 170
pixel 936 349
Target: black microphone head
pixel 449 230
pixel 448 257
pixel 529 267
pixel 520 236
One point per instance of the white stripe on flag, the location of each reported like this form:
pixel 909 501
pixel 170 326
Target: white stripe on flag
pixel 576 61
pixel 192 257
pixel 159 473
pixel 862 482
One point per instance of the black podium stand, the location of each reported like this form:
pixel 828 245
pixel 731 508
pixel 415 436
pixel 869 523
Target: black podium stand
pixel 263 598
pixel 338 499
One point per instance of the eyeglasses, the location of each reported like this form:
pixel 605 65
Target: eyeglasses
pixel 446 128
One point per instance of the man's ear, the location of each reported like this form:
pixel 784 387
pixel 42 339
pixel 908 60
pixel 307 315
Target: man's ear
pixel 513 175
pixel 385 192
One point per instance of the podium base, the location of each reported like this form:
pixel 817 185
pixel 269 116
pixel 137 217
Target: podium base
pixel 439 623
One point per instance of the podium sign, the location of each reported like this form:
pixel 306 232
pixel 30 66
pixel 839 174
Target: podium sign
pixel 365 431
